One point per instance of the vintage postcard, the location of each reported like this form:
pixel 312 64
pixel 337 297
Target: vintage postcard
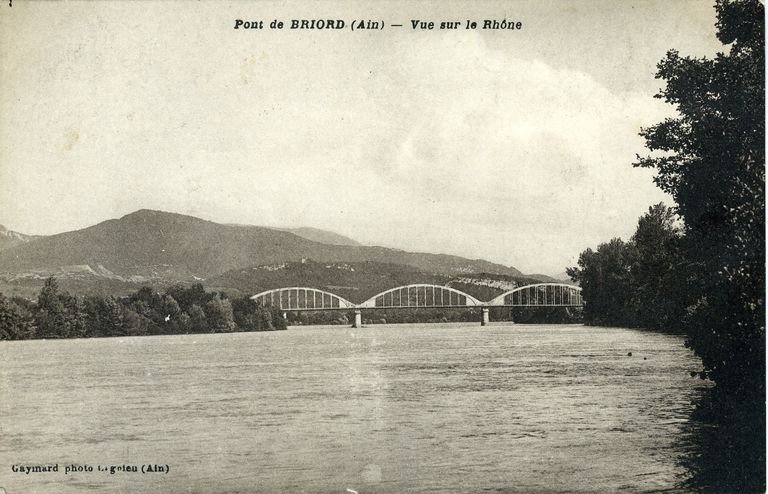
pixel 382 246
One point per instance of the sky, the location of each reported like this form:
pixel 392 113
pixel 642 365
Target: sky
pixel 513 146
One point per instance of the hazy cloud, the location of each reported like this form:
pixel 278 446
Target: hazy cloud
pixel 442 142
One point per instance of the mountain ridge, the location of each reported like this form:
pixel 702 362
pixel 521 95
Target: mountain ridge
pixel 149 244
pixel 10 238
pixel 309 233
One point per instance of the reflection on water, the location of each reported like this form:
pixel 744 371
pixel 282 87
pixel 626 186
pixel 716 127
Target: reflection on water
pixel 422 408
pixel 724 447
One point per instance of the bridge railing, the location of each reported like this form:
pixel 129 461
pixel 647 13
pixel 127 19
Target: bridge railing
pixel 302 298
pixel 540 295
pixel 422 296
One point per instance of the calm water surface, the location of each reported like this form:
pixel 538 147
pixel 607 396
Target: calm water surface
pixel 417 408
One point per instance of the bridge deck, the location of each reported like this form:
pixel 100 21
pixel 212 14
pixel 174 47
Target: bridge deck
pixel 422 296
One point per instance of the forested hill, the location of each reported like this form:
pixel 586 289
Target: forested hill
pixel 153 245
pixel 313 234
pixel 358 281
pixel 322 236
pixel 10 238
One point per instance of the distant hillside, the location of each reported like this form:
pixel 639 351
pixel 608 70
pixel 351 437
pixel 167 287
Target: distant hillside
pixel 155 246
pixel 564 278
pixel 357 281
pixel 545 277
pixel 313 234
pixel 321 236
pixel 10 238
pixel 485 286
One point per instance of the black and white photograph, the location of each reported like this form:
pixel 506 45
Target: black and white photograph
pixel 362 246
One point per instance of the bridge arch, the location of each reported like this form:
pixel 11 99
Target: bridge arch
pixel 302 298
pixel 540 295
pixel 420 295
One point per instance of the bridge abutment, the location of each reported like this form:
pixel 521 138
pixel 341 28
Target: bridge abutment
pixel 358 319
pixel 485 318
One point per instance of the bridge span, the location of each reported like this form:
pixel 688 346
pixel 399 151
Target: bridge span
pixel 422 296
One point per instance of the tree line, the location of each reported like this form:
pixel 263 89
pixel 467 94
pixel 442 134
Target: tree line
pixel 526 315
pixel 699 268
pixel 636 283
pixel 180 310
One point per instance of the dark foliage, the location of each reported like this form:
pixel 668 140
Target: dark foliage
pixel 530 315
pixel 16 320
pixel 708 280
pixel 58 314
pixel 631 283
pixel 714 166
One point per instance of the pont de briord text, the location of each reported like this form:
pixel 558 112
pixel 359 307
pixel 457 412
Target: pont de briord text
pixel 414 24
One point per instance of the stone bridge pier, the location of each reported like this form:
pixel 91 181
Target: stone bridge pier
pixel 358 319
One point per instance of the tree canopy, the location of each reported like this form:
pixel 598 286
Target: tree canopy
pixel 58 314
pixel 630 283
pixel 711 159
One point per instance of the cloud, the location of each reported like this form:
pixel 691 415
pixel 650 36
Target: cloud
pixel 532 160
pixel 423 141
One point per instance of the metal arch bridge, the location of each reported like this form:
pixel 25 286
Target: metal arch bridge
pixel 422 296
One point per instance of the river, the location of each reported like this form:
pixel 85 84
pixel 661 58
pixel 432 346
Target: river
pixel 391 408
